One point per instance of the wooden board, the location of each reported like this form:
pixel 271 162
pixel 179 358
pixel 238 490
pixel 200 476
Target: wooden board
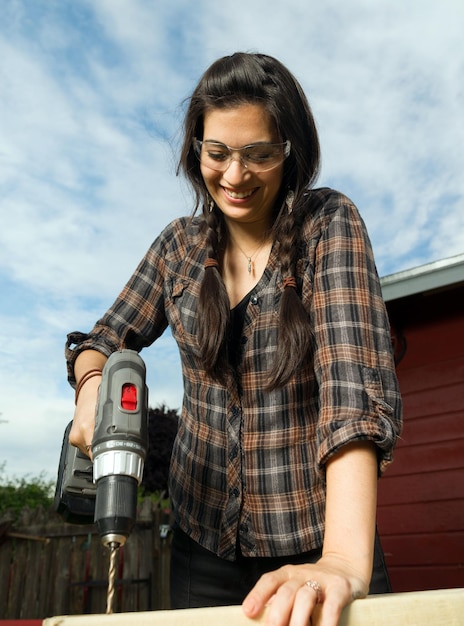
pixel 440 608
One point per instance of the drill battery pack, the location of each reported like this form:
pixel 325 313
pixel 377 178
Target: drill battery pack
pixel 75 491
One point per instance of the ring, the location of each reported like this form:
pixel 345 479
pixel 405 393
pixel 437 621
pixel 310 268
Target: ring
pixel 315 586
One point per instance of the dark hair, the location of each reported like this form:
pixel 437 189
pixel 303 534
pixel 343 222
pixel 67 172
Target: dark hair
pixel 229 82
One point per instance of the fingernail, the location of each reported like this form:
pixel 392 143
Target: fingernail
pixel 249 606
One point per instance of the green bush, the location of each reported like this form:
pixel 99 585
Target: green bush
pixel 29 491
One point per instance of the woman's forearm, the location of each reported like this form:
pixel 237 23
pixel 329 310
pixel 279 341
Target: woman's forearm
pixel 351 509
pixel 87 361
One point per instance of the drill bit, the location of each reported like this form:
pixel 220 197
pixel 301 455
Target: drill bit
pixel 111 576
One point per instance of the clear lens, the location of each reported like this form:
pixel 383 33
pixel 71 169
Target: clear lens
pixel 258 157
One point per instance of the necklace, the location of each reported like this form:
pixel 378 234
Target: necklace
pixel 250 258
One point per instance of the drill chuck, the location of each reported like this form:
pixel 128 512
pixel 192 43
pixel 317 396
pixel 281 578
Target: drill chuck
pixel 115 508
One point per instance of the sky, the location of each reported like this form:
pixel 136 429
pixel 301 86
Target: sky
pixel 92 94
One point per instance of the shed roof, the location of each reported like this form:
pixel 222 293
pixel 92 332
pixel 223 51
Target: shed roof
pixel 424 278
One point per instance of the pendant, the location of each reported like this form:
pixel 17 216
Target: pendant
pixel 249 264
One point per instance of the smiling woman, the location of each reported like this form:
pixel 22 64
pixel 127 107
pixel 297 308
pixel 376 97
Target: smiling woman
pixel 291 405
pixel 244 189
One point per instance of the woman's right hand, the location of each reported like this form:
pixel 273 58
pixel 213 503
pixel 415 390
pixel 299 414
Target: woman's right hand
pixel 83 425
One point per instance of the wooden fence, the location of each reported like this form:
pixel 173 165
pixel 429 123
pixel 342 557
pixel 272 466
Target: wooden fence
pixel 48 567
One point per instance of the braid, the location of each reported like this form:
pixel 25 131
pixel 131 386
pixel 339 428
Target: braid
pixel 295 337
pixel 288 242
pixel 213 306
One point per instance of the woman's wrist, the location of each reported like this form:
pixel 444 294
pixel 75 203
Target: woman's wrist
pixel 357 573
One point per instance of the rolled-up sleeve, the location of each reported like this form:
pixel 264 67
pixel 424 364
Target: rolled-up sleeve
pixel 358 389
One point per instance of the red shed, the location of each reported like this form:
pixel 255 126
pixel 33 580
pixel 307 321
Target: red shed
pixel 421 496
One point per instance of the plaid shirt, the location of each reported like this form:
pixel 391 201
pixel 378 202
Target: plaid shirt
pixel 248 464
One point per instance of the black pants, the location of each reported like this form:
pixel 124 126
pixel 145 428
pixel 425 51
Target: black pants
pixel 199 578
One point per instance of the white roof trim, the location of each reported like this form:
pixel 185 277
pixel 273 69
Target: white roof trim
pixel 423 278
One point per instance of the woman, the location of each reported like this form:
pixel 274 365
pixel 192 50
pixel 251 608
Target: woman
pixel 291 404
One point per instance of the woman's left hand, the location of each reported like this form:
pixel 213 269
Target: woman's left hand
pixel 293 591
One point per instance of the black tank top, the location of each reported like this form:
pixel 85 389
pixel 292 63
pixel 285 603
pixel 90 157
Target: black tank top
pixel 237 319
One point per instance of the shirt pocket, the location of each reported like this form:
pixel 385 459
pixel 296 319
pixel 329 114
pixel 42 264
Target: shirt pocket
pixel 181 311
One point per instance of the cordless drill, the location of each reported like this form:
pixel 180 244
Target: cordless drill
pixel 105 491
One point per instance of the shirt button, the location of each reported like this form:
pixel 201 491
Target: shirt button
pixel 254 299
pixel 234 492
pixel 243 340
pixel 244 528
pixel 233 453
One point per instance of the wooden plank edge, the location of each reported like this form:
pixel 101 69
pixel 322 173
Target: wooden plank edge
pixel 444 607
